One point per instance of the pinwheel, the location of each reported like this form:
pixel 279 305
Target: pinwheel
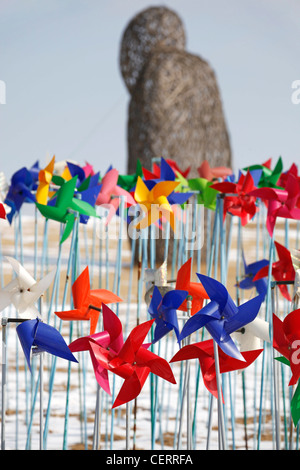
pixel 128 182
pixel 284 176
pixel 2 211
pixel 206 194
pixel 194 289
pixel 221 316
pixel 269 178
pixel 38 337
pixel 172 163
pixel 164 310
pixel 34 170
pixel 87 301
pixel 250 336
pixel 65 206
pixel 205 171
pixel 155 202
pixel 133 362
pixel 204 352
pixel 23 291
pixel 20 191
pixel 164 172
pixel 45 178
pixel 286 340
pixel 241 204
pixel 111 338
pixel 280 202
pixel 110 193
pixel 250 271
pixel 88 169
pixel 282 270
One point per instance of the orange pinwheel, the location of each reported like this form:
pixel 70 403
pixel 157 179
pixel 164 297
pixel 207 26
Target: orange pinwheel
pixel 195 289
pixel 155 201
pixel 45 178
pixel 87 302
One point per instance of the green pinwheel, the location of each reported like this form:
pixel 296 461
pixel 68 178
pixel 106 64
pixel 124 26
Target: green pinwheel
pixel 269 178
pixel 128 182
pixel 206 195
pixel 64 206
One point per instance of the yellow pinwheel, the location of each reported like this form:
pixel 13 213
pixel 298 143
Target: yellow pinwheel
pixel 45 178
pixel 154 202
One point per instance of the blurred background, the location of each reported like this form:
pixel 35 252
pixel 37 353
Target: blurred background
pixel 65 95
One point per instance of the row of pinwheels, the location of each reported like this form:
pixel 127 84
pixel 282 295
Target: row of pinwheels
pixel 64 188
pixel 132 359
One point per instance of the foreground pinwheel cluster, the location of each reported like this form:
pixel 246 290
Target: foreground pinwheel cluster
pixel 190 306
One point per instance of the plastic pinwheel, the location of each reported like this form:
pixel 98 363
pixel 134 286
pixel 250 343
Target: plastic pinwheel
pixel 269 178
pixel 64 207
pixel 110 338
pixel 205 171
pixel 241 204
pixel 280 202
pixel 2 211
pixel 221 316
pixel 45 178
pixel 38 337
pixel 23 291
pixel 164 310
pixel 20 191
pixel 206 194
pixel 282 270
pixel 128 182
pixel 110 193
pixel 195 289
pixel 154 203
pixel 286 337
pixel 251 336
pixel 173 164
pixel 204 352
pixel 250 271
pixel 134 362
pixel 87 301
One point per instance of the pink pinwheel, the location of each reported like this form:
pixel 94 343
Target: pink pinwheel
pixel 88 169
pixel 111 337
pixel 133 363
pixel 280 202
pixel 205 171
pixel 110 194
pixel 243 204
pixel 282 270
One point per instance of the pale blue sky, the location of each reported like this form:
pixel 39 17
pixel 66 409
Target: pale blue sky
pixel 65 94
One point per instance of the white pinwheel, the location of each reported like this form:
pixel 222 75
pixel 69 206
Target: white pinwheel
pixel 23 291
pixel 251 335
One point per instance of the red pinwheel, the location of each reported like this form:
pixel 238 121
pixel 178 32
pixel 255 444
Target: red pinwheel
pixel 2 211
pixel 194 289
pixel 282 270
pixel 280 202
pixel 176 168
pixel 204 351
pixel 111 337
pixel 205 171
pixel 243 204
pixel 286 340
pixel 133 363
pixel 87 302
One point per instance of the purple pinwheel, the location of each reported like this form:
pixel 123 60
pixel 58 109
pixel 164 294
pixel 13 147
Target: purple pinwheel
pixel 43 338
pixel 221 316
pixel 20 191
pixel 250 271
pixel 163 310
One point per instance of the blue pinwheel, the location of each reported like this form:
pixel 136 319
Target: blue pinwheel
pixel 221 316
pixel 41 337
pixel 20 191
pixel 163 310
pixel 250 271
